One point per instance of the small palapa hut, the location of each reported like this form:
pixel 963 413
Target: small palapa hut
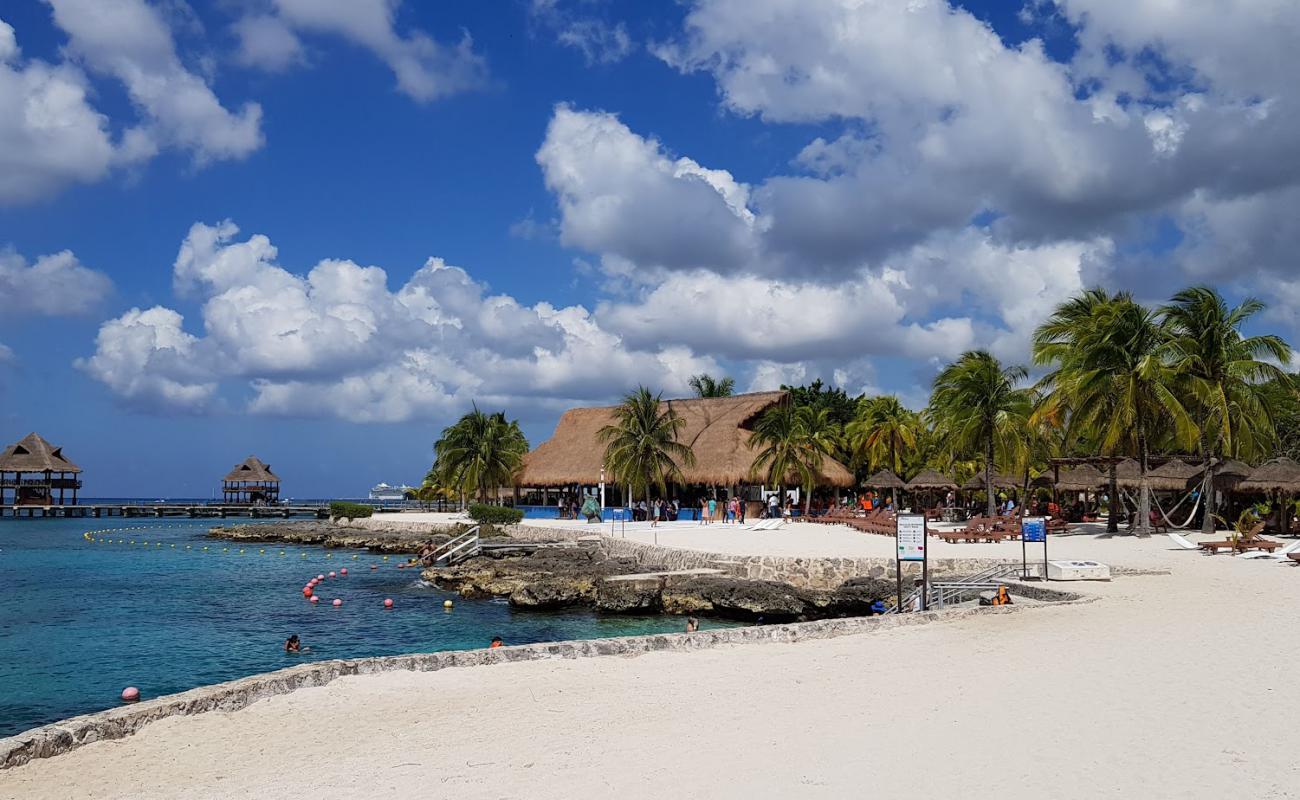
pixel 884 479
pixel 32 471
pixel 251 482
pixel 717 429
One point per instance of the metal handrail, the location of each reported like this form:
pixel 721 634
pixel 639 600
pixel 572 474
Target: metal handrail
pixel 950 590
pixel 469 538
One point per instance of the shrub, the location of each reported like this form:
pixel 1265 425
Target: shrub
pixel 341 508
pixel 494 515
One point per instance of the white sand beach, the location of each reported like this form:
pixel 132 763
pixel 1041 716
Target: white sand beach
pixel 1175 685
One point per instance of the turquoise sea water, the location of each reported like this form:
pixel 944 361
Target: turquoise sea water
pixel 81 620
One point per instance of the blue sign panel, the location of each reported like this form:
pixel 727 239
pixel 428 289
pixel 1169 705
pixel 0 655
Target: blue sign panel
pixel 618 515
pixel 1033 529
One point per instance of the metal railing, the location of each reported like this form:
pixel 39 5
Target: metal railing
pixel 460 548
pixel 943 593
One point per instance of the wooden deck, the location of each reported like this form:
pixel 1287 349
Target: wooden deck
pixel 163 510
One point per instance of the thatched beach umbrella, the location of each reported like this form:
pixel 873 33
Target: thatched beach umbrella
pixel 884 479
pixel 1128 474
pixel 1174 476
pixel 1229 473
pixel 1000 481
pixel 1282 476
pixel 1278 475
pixel 1083 478
pixel 930 479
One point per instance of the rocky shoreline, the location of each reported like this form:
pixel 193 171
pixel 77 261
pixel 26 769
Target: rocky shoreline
pixel 328 534
pixel 586 576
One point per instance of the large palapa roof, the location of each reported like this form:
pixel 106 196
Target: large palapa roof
pixel 884 479
pixel 34 454
pixel 253 470
pixel 717 429
pixel 1000 481
pixel 1280 474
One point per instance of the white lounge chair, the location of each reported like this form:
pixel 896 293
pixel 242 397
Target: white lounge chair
pixel 1182 541
pixel 1281 554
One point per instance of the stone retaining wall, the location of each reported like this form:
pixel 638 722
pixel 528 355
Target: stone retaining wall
pixel 116 723
pixel 804 573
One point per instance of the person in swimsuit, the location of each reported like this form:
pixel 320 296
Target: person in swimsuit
pixel 496 642
pixel 292 645
pixel 692 624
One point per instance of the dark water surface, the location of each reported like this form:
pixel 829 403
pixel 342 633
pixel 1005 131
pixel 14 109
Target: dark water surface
pixel 80 620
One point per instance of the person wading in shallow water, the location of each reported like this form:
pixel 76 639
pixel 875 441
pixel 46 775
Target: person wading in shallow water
pixel 692 624
pixel 292 645
pixel 496 642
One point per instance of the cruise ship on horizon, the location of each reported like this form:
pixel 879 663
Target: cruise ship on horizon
pixel 383 491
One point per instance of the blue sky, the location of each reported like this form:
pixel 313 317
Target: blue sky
pixel 565 198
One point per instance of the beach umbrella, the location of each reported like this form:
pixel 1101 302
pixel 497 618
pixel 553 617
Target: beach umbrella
pixel 1174 475
pixel 1083 478
pixel 884 479
pixel 1281 475
pixel 1000 481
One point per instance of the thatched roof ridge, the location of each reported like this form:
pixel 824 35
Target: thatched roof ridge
pixel 252 470
pixel 34 454
pixel 1173 475
pixel 884 479
pixel 717 430
pixel 1001 480
pixel 1082 478
pixel 1280 474
pixel 930 479
pixel 1127 474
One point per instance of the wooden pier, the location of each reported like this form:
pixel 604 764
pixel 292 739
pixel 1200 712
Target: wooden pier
pixel 193 510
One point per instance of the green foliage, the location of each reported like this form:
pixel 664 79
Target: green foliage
pixel 485 514
pixel 841 409
pixel 794 443
pixel 478 454
pixel 340 509
pixel 641 447
pixel 978 406
pixel 705 385
pixel 883 432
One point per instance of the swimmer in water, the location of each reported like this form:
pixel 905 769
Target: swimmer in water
pixel 292 645
pixel 692 624
pixel 496 642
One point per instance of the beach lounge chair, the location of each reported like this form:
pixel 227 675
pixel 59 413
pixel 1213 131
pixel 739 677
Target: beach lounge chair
pixel 1279 555
pixel 1182 541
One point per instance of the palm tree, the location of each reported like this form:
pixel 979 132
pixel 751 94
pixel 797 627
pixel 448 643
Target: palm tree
pixel 1114 376
pixel 977 406
pixel 641 447
pixel 705 385
pixel 882 429
pixel 1225 375
pixel 480 453
pixel 795 442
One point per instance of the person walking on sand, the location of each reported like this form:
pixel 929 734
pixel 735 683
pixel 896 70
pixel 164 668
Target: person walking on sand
pixel 740 511
pixel 713 509
pixel 656 511
pixel 704 511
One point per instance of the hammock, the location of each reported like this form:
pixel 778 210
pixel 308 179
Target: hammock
pixel 1155 502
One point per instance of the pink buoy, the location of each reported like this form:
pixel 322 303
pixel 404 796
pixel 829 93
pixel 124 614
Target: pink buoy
pixel 315 599
pixel 343 571
pixel 388 602
pixel 320 577
pixel 130 694
pixel 332 575
pixel 306 592
pixel 374 566
pixel 337 602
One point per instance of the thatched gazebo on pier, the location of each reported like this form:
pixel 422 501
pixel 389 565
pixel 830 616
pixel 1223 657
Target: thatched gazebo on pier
pixel 717 429
pixel 252 483
pixel 34 470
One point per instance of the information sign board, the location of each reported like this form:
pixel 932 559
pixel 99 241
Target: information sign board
pixel 911 537
pixel 1033 529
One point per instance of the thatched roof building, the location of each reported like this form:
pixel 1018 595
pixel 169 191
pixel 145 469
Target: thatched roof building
pixel 884 479
pixel 1278 475
pixel 251 481
pixel 930 479
pixel 35 469
pixel 717 430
